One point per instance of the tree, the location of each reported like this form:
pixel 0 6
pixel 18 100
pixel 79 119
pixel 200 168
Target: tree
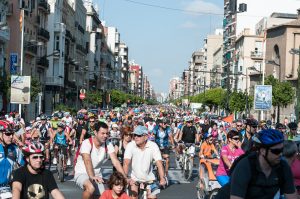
pixel 283 93
pixel 213 97
pixel 36 88
pixel 93 98
pixel 237 101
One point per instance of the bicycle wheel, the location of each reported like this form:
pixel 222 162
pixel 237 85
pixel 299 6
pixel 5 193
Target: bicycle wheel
pixel 61 168
pixel 201 192
pixel 190 165
pixel 186 169
pixel 213 194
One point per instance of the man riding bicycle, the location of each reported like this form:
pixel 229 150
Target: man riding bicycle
pixel 33 180
pixel 89 130
pixel 46 132
pixel 162 134
pixel 139 155
pixel 262 174
pixel 10 155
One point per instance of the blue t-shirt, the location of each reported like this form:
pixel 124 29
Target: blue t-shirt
pixel 162 137
pixel 9 159
pixel 61 139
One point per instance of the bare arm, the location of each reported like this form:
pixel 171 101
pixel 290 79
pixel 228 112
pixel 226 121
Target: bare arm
pixel 88 164
pixel 126 164
pixel 226 161
pixel 117 163
pixel 82 136
pixel 180 134
pixel 16 190
pixel 160 169
pixel 56 194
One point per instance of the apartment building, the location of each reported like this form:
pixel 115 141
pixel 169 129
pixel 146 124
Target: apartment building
pixel 241 14
pixel 124 66
pixel 6 11
pixel 280 62
pixel 215 78
pixel 197 74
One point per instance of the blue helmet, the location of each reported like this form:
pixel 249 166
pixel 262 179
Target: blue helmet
pixel 268 138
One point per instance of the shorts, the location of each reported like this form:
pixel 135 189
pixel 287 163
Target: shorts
pixel 82 177
pixel 223 180
pixel 165 151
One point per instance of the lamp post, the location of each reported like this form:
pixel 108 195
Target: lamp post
pixel 295 51
pixel 277 64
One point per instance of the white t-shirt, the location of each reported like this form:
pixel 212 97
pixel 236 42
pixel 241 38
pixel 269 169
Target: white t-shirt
pixel 149 126
pixel 68 120
pixel 97 156
pixel 142 160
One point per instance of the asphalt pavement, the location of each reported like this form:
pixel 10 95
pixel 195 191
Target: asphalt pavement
pixel 178 187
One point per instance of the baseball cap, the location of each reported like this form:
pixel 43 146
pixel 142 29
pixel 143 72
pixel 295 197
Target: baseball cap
pixel 140 130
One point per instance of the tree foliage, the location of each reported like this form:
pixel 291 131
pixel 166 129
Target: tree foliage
pixel 237 101
pixel 283 93
pixel 35 88
pixel 93 98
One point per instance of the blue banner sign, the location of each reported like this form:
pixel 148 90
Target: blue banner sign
pixel 263 97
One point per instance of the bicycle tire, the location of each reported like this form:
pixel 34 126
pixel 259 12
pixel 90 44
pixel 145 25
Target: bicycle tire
pixel 61 169
pixel 189 170
pixel 50 161
pixel 201 192
pixel 186 169
pixel 213 194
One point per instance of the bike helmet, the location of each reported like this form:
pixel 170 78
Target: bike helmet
pixel 292 125
pixel 61 124
pixel 280 126
pixel 3 126
pixel 80 117
pixel 43 117
pixel 268 138
pixel 33 148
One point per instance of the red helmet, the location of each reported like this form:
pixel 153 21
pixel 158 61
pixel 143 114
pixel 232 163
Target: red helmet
pixel 33 148
pixel 3 126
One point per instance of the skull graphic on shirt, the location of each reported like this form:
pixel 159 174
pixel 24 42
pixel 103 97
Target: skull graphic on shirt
pixel 35 191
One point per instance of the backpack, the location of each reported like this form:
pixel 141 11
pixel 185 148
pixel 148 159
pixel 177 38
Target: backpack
pixel 224 192
pixel 91 142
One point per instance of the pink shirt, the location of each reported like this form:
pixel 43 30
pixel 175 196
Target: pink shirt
pixel 108 195
pixel 296 171
pixel 231 155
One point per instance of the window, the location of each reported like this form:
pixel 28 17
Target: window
pixel 57 42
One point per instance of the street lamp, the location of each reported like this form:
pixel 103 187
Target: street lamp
pixel 295 51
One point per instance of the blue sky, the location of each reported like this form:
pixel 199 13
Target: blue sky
pixel 162 40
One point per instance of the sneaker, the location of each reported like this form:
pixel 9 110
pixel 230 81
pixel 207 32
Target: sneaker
pixel 69 162
pixel 54 161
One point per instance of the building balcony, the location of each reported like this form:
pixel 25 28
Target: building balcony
pixel 81 48
pixel 256 55
pixel 38 20
pixel 42 61
pixel 31 49
pixel 44 5
pixel 54 81
pixel 43 33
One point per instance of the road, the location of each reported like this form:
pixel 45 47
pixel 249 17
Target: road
pixel 179 188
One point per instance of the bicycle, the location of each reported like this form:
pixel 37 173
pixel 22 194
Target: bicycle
pixel 208 186
pixel 144 186
pixel 187 159
pixel 62 150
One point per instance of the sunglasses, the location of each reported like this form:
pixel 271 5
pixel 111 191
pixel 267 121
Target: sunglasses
pixel 277 151
pixel 138 135
pixel 238 125
pixel 38 157
pixel 129 135
pixel 235 138
pixel 9 134
pixel 254 127
pixel 92 121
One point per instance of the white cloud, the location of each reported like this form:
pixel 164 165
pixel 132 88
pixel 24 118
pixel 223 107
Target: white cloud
pixel 189 24
pixel 201 6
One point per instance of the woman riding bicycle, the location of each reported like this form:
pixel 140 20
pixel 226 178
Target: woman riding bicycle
pixel 229 153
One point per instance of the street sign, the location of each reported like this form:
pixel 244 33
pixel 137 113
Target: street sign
pixel 20 89
pixel 82 91
pixel 13 63
pixel 263 97
pixel 82 96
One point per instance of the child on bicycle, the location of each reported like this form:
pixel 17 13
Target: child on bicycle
pixel 117 185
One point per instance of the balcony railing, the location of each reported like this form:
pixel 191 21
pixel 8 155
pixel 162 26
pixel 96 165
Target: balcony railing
pixel 81 48
pixel 256 55
pixel 44 5
pixel 54 81
pixel 43 61
pixel 44 33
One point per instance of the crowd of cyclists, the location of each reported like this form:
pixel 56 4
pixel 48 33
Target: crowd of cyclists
pixel 246 158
